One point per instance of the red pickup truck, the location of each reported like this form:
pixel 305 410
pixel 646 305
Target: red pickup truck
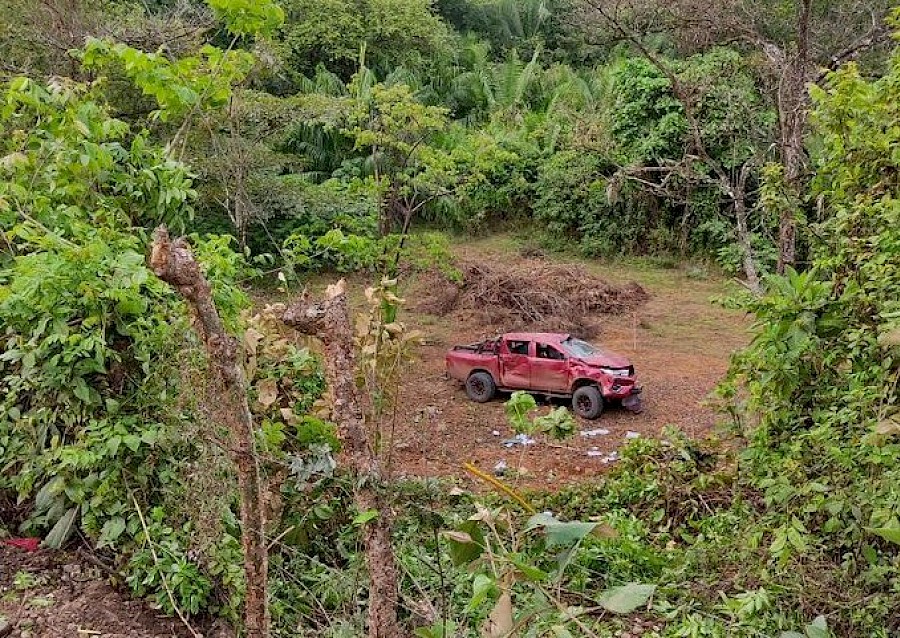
pixel 556 365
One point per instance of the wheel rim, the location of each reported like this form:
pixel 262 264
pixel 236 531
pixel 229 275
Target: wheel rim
pixel 584 404
pixel 477 386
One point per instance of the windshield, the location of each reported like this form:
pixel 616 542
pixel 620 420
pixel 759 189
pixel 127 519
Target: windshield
pixel 579 348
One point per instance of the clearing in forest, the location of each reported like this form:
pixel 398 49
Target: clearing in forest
pixel 662 318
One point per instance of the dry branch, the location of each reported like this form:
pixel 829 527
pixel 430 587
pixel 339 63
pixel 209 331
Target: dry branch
pixel 174 263
pixel 532 295
pixel 329 321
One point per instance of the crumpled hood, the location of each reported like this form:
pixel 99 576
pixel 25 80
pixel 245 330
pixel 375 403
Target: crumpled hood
pixel 607 360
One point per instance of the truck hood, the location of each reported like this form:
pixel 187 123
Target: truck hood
pixel 607 360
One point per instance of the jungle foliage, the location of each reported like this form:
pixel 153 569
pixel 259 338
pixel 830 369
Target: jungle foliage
pixel 300 136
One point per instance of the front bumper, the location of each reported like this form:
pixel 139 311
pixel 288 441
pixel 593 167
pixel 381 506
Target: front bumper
pixel 633 402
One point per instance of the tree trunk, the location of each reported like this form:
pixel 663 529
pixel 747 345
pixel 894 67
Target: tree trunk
pixel 743 232
pixel 330 322
pixel 793 113
pixel 174 263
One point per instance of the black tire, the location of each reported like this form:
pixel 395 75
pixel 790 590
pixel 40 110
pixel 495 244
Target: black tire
pixel 587 402
pixel 480 387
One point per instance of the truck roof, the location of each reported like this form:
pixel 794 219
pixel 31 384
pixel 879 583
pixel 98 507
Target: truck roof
pixel 543 337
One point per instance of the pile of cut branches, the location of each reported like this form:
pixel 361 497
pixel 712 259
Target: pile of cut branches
pixel 531 294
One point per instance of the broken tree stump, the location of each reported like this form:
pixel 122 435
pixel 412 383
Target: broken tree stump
pixel 174 263
pixel 329 321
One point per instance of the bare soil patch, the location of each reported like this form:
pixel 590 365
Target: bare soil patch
pixel 678 340
pixel 48 594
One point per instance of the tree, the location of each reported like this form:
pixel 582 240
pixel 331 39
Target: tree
pixel 521 25
pixel 37 36
pixel 174 263
pixel 331 32
pixel 706 110
pixel 394 127
pixel 329 321
pixel 93 356
pixel 820 377
pixel 196 94
pixel 796 39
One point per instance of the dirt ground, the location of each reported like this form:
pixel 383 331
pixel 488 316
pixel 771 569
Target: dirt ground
pixel 678 341
pixel 48 594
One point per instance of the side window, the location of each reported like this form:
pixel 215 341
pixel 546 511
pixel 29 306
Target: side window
pixel 549 352
pixel 517 347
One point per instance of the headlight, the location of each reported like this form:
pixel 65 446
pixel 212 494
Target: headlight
pixel 617 372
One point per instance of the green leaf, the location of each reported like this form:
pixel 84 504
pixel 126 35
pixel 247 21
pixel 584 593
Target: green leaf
pixel 530 572
pixel 890 533
pixel 464 550
pixel 60 532
pixel 132 442
pixel 559 533
pixel 627 598
pixel 364 517
pixel 111 531
pixel 82 391
pixel 113 443
pixel 483 587
pixel 49 494
pixel 517 409
pixel 818 628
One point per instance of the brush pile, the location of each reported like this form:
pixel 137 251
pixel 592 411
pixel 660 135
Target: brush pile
pixel 531 295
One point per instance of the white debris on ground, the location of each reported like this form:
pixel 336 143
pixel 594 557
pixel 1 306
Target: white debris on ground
pixel 605 458
pixel 519 439
pixel 632 435
pixel 596 432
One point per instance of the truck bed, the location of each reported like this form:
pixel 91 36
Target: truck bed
pixel 462 359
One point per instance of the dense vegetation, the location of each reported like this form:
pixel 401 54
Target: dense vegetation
pixel 299 135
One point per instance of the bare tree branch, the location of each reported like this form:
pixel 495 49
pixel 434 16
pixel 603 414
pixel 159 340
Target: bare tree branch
pixel 735 190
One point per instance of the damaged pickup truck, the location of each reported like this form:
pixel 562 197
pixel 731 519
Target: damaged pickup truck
pixel 552 364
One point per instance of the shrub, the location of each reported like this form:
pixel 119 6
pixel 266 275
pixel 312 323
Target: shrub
pixel 102 412
pixel 297 207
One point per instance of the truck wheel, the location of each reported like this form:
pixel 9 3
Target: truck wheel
pixel 480 387
pixel 587 402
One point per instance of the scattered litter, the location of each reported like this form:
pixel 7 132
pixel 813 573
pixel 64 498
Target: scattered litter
pixel 519 439
pixel 612 457
pixel 596 432
pixel 632 435
pixel 28 544
pixel 500 468
pixel 496 432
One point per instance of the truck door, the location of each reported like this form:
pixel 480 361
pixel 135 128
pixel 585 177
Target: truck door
pixel 549 369
pixel 515 366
